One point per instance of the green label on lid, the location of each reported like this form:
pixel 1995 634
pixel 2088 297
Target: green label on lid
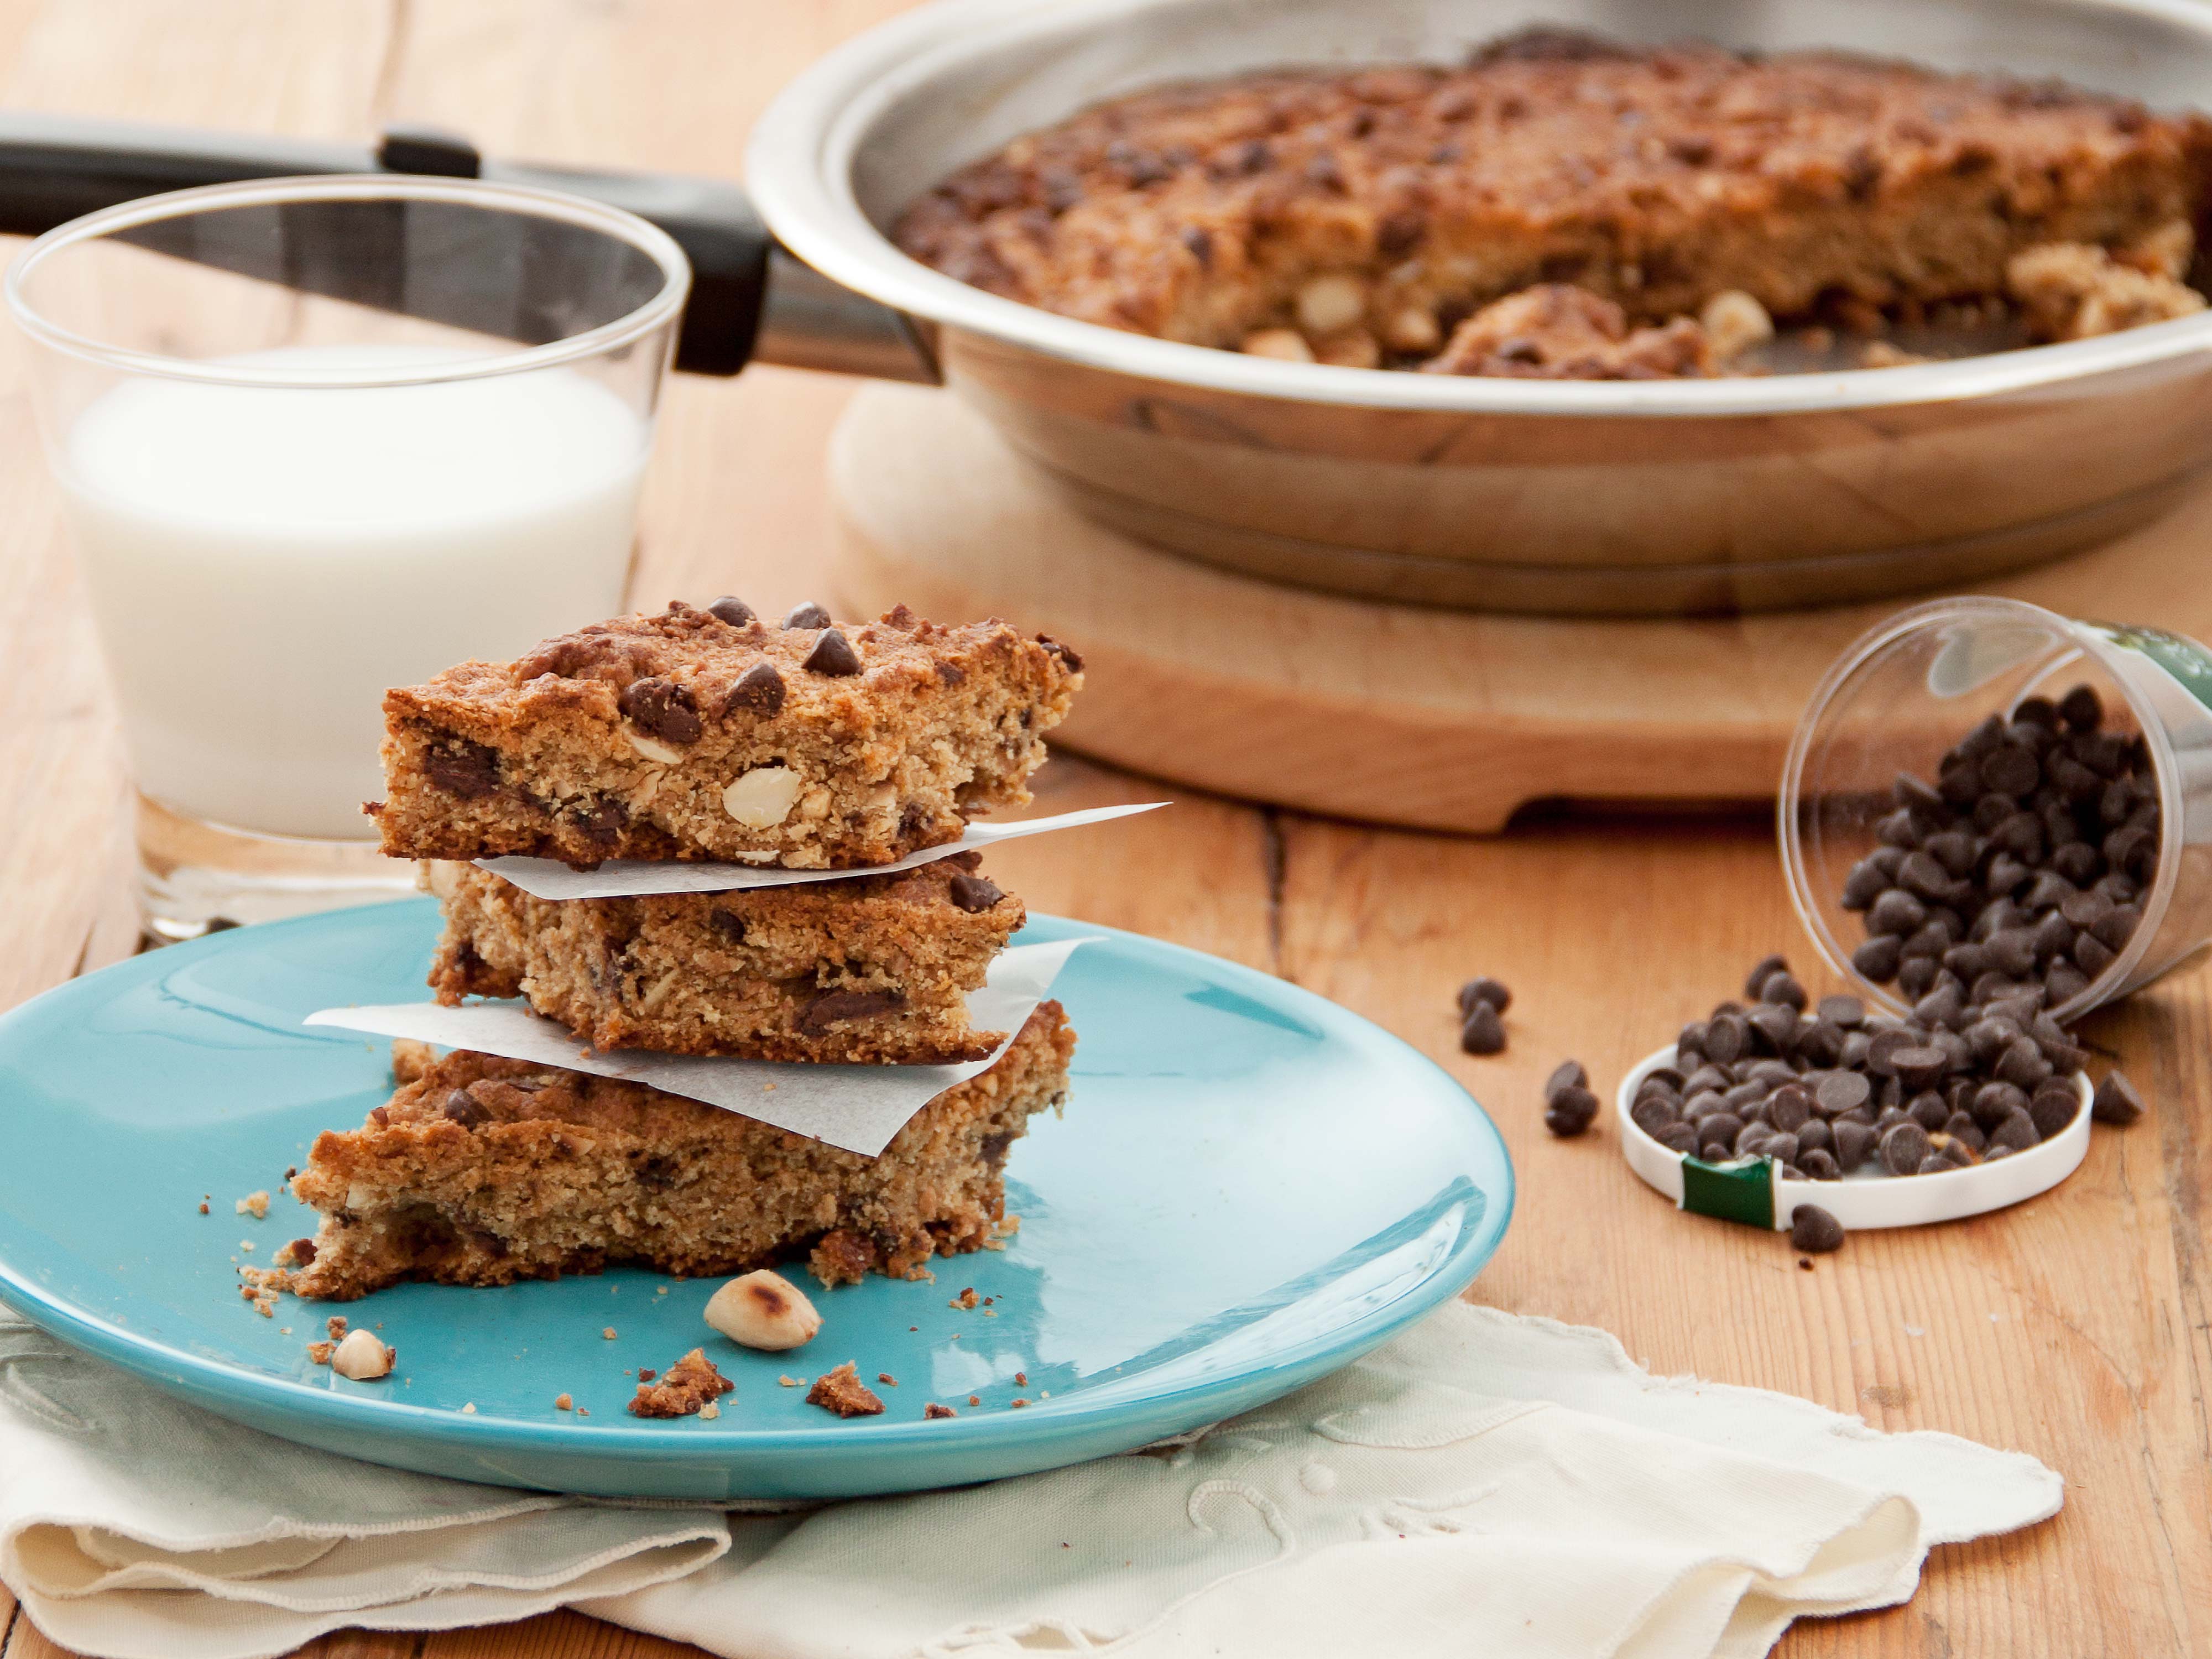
pixel 2187 662
pixel 1731 1192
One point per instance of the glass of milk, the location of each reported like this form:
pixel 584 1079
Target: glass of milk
pixel 317 437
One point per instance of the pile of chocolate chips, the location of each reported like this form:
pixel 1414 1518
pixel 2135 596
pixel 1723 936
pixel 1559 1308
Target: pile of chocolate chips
pixel 2020 870
pixel 1825 1091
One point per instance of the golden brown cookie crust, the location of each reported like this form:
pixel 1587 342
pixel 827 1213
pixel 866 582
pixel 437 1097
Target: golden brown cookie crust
pixel 683 736
pixel 1654 178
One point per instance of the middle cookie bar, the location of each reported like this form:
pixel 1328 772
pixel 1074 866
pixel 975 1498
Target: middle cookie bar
pixel 872 969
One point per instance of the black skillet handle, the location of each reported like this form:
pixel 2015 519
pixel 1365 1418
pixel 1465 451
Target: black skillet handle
pixel 55 169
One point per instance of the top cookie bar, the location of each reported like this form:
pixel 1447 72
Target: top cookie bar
pixel 710 734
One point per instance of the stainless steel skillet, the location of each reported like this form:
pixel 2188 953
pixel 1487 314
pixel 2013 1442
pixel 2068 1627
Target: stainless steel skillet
pixel 1648 499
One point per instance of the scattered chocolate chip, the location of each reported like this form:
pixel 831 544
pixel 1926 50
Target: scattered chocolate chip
pixel 1845 1011
pixel 1726 1038
pixel 759 691
pixel 1574 1109
pixel 1866 882
pixel 1788 1108
pixel 2051 1113
pixel 2082 709
pixel 1783 990
pixel 1484 989
pixel 1916 1068
pixel 1961 1128
pixel 1766 966
pixel 1879 959
pixel 973 894
pixel 733 611
pixel 1569 1074
pixel 809 615
pixel 1903 1147
pixel 661 709
pixel 1854 1141
pixel 1814 1230
pixel 1841 1091
pixel 1484 1033
pixel 2117 1101
pixel 2022 1063
pixel 1996 1101
pixel 833 654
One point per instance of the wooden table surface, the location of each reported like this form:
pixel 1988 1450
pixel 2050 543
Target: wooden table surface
pixel 2077 1328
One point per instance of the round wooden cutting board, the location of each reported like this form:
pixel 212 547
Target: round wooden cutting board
pixel 1392 714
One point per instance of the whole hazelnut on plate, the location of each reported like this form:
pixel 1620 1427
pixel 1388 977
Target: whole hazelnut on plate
pixel 764 1310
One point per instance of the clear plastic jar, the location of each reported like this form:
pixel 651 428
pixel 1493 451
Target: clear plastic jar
pixel 1909 690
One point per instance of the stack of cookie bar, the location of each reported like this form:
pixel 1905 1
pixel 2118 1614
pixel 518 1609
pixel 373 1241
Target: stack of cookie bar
pixel 702 735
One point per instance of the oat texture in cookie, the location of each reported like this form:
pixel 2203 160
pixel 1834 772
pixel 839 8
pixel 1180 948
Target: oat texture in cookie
pixel 873 970
pixel 682 735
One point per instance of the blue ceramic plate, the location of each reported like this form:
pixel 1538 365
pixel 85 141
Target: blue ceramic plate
pixel 1249 1187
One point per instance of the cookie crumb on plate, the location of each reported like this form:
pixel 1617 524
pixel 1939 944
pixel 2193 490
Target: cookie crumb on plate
pixel 688 1388
pixel 842 1391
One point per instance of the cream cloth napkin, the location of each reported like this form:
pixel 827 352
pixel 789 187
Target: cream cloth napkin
pixel 1485 1484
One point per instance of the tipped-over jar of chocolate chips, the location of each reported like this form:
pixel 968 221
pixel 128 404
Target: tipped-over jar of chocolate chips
pixel 1985 802
pixel 1993 820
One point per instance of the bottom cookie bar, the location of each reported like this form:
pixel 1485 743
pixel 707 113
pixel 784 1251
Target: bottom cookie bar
pixel 481 1171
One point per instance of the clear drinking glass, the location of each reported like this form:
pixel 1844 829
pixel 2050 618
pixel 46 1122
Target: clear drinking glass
pixel 317 437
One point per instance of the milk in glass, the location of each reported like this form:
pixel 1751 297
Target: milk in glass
pixel 264 561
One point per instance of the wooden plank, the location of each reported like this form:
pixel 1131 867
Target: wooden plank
pixel 249 65
pixel 364 1644
pixel 27 1641
pixel 555 1636
pixel 2071 1328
